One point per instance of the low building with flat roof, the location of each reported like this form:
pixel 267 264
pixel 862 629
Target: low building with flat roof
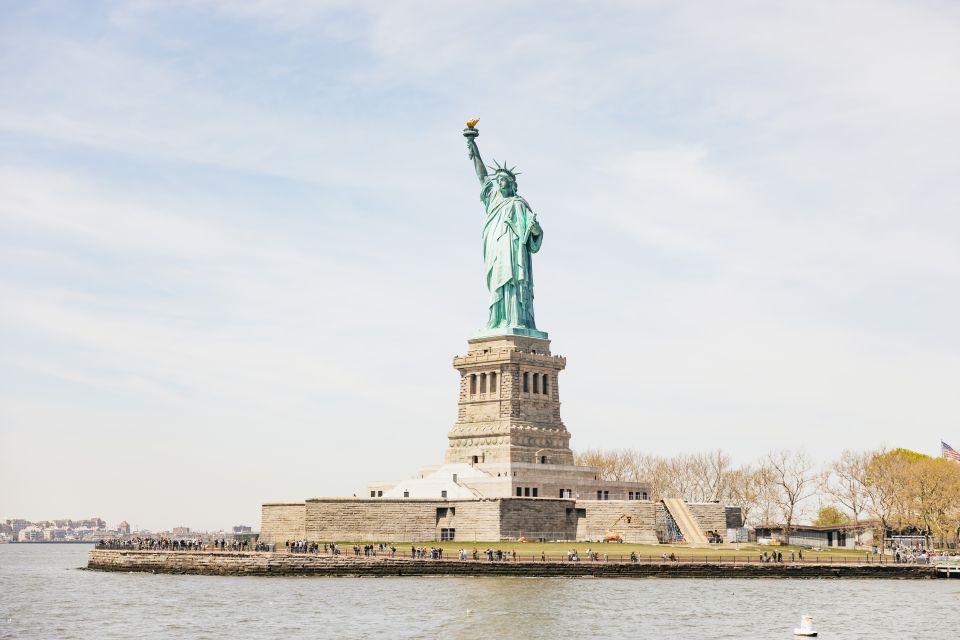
pixel 844 536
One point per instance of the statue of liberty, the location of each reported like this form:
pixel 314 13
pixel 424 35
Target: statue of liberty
pixel 511 235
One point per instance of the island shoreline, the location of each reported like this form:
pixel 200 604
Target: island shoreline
pixel 254 563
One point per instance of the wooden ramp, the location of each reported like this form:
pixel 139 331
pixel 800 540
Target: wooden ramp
pixel 686 521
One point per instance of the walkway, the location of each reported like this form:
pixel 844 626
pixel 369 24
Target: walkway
pixel 689 527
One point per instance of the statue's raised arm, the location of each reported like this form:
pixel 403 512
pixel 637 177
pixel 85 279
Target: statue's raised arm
pixel 471 133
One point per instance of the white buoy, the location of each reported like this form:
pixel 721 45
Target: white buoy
pixel 806 627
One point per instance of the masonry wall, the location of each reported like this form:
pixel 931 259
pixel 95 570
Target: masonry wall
pixel 380 519
pixel 384 520
pixel 281 521
pixel 596 517
pixel 538 518
pixel 476 520
pixel 734 517
pixel 712 516
pixel 289 564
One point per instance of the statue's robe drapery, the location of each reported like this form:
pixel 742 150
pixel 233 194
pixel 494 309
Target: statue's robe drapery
pixel 510 235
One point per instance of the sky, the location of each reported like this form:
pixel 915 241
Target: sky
pixel 240 240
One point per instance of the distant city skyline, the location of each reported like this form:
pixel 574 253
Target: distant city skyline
pixel 91 529
pixel 215 216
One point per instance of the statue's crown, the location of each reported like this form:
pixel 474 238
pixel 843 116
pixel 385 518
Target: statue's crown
pixel 511 173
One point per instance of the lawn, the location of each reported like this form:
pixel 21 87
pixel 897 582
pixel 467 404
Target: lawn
pixel 616 551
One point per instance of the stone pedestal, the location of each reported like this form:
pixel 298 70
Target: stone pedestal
pixel 509 407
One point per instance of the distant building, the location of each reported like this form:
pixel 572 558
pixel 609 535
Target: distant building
pixel 30 534
pixel 86 533
pixel 241 528
pixel 181 531
pixel 123 528
pixel 54 534
pixel 16 526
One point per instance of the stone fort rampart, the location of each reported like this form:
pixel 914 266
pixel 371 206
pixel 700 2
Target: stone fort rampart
pixel 413 520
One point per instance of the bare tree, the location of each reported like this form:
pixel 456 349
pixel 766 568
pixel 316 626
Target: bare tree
pixel 614 465
pixel 793 480
pixel 705 475
pixel 653 470
pixel 884 491
pixel 769 496
pixel 681 477
pixel 846 482
pixel 719 474
pixel 747 488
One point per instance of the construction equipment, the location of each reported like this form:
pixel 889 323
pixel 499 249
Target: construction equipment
pixel 616 536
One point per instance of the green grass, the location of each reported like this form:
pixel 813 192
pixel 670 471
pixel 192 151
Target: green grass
pixel 558 550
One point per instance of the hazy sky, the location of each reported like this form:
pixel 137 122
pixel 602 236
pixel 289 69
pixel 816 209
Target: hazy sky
pixel 240 240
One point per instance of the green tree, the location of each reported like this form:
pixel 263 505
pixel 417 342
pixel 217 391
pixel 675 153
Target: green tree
pixel 831 515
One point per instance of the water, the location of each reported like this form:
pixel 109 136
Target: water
pixel 44 595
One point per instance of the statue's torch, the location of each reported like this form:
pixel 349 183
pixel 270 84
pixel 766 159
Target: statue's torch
pixel 471 133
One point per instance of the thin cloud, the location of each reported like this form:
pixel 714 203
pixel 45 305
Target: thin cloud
pixel 254 223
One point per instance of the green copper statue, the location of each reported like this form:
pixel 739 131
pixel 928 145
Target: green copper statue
pixel 511 235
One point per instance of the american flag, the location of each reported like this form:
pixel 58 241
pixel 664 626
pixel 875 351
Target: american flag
pixel 949 452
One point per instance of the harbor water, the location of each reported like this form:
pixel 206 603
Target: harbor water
pixel 45 593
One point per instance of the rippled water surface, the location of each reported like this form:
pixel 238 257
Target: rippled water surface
pixel 44 595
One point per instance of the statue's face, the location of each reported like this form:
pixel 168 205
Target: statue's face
pixel 506 186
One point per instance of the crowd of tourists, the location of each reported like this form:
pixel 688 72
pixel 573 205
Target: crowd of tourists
pixel 301 546
pixel 160 544
pixel 422 553
pixel 777 556
pixel 329 548
pixel 906 554
pixel 374 550
pixel 593 556
pixel 163 543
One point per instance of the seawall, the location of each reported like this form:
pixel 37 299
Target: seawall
pixel 234 563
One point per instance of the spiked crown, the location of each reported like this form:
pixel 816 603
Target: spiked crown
pixel 499 169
